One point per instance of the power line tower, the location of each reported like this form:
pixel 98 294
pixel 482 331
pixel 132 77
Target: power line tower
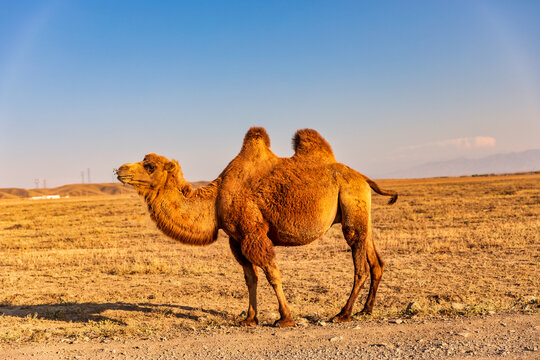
pixel 82 176
pixel 44 183
pixel 88 177
pixel 36 181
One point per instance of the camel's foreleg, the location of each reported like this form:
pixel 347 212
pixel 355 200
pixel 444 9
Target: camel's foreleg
pixel 251 277
pixel 258 249
pixel 274 278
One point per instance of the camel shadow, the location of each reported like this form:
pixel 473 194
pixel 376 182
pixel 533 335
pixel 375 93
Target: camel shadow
pixel 92 312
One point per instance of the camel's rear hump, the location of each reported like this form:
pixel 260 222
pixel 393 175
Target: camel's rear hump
pixel 308 143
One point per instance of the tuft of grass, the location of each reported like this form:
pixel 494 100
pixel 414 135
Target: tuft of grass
pixel 104 329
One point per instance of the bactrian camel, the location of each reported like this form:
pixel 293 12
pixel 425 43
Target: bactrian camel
pixel 261 201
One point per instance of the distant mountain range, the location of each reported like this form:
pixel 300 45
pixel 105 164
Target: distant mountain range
pixel 524 161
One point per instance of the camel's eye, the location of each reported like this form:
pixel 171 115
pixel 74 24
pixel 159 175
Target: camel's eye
pixel 149 167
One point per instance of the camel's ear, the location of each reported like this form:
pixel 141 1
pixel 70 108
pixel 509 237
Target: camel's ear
pixel 172 166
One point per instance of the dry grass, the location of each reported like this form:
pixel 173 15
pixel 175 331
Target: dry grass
pixel 97 267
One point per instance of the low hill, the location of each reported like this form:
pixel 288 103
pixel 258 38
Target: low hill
pixel 75 190
pixel 67 190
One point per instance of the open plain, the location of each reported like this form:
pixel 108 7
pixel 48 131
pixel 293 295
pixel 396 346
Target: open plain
pixel 92 277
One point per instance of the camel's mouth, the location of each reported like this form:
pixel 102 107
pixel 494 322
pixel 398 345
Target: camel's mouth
pixel 123 174
pixel 125 178
pixel 129 180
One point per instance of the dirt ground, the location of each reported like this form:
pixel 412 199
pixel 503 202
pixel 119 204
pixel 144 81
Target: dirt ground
pixel 503 336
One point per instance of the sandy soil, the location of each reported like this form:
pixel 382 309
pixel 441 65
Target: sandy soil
pixel 513 335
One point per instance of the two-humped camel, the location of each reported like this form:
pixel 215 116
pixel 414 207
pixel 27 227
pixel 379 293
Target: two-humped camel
pixel 260 201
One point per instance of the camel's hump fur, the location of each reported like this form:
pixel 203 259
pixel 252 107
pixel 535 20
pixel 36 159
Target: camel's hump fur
pixel 310 142
pixel 257 133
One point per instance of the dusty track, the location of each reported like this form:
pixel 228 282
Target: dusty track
pixel 502 336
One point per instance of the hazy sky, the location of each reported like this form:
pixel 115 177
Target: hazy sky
pixel 94 84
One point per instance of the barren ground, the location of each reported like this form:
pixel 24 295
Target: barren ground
pixel 501 336
pixel 92 277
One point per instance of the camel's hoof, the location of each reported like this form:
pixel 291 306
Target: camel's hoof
pixel 284 323
pixel 249 322
pixel 341 318
pixel 365 312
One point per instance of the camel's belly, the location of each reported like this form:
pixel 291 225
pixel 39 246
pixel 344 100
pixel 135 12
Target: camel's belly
pixel 295 228
pixel 294 239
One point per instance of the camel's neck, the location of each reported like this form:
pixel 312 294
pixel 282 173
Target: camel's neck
pixel 184 214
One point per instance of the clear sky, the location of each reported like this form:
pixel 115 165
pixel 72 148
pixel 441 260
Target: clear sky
pixel 390 84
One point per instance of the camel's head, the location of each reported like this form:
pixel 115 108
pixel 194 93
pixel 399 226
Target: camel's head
pixel 151 173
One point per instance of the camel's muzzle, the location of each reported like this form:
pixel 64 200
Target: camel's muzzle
pixel 122 175
pixel 125 178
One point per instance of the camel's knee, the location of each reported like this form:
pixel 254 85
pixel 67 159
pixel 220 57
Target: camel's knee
pixel 273 282
pixel 376 264
pixel 362 268
pixel 381 263
pixel 273 278
pixel 251 277
pixel 272 274
pixel 376 272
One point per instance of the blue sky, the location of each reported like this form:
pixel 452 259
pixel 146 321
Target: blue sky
pixel 94 84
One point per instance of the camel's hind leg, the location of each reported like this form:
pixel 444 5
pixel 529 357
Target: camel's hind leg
pixel 355 203
pixel 251 277
pixel 376 266
pixel 357 243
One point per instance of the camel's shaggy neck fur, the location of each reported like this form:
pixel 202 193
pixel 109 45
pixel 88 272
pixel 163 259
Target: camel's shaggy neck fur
pixel 182 213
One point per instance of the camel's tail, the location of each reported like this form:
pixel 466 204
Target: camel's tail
pixel 378 190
